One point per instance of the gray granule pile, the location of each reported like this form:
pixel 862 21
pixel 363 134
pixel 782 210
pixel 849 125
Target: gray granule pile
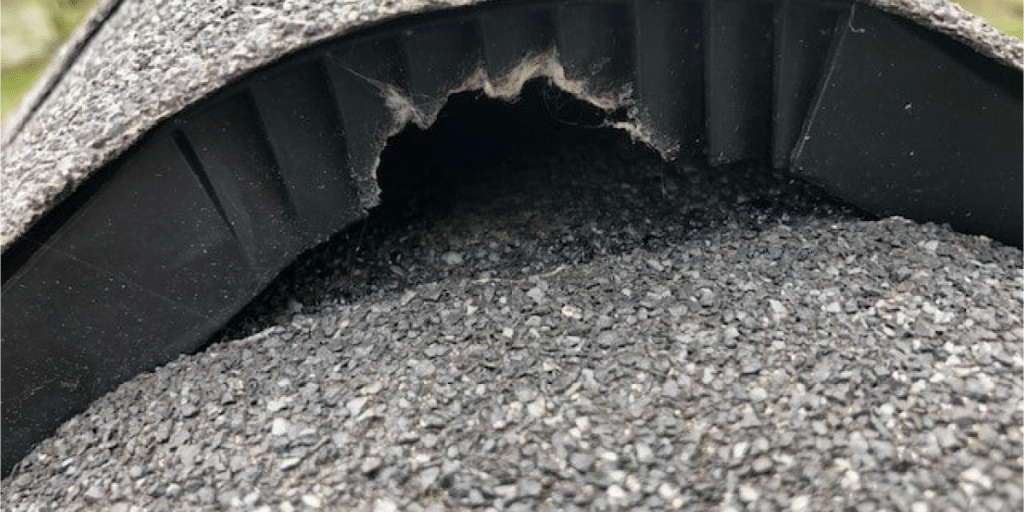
pixel 572 325
pixel 601 332
pixel 139 62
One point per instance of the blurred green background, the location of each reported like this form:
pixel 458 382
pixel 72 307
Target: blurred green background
pixel 34 29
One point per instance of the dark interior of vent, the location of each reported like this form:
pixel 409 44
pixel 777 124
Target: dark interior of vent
pixel 546 163
pixel 473 130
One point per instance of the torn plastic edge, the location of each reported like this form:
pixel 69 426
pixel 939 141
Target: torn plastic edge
pixel 507 87
pixel 934 16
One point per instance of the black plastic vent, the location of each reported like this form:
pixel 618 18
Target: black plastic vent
pixel 168 242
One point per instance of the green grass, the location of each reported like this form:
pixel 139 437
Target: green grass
pixel 16 82
pixel 1005 15
pixel 64 16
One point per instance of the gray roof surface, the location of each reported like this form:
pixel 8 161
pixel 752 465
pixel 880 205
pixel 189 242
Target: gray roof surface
pixel 135 63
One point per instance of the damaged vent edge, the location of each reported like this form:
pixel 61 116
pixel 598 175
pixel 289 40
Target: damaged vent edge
pixel 508 86
pixel 291 154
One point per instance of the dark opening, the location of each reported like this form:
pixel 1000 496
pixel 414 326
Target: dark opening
pixel 547 165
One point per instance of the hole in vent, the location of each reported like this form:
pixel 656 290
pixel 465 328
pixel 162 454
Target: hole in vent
pixel 472 133
pixel 498 190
